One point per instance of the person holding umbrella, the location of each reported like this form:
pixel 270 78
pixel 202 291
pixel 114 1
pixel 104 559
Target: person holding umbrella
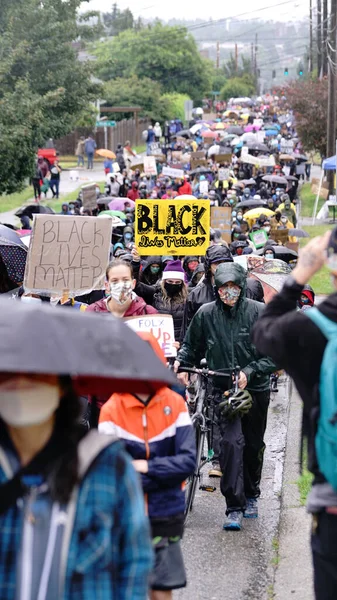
pixel 64 535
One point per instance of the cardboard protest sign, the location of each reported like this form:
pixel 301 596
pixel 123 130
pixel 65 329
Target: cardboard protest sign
pixel 172 227
pixel 199 154
pixel 161 327
pixel 89 196
pixel 198 162
pixel 221 218
pixel 68 254
pixel 150 167
pixel 171 172
pixel 223 158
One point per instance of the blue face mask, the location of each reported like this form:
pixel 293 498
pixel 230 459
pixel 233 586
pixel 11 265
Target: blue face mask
pixel 128 237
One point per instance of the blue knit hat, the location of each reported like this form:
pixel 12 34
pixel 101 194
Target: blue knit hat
pixel 174 270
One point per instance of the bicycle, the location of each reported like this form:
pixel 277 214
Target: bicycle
pixel 202 423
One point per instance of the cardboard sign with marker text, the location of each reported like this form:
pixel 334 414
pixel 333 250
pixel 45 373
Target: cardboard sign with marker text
pixel 221 218
pixel 150 165
pixel 161 327
pixel 68 253
pixel 172 227
pixel 89 196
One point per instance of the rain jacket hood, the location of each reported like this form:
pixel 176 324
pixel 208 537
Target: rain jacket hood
pixel 230 272
pixel 215 254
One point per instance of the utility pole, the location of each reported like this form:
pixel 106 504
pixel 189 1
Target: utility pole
pixel 319 38
pixel 236 58
pixel 310 34
pixel 218 55
pixel 252 55
pixel 331 125
pixel 325 38
pixel 255 63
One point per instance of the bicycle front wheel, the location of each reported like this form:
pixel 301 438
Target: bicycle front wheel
pixel 194 479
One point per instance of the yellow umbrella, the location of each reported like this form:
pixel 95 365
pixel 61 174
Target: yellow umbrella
pixel 105 153
pixel 254 213
pixel 220 126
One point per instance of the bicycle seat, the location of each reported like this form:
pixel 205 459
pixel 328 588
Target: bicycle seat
pixel 203 363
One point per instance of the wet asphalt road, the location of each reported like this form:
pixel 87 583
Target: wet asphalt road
pixel 238 565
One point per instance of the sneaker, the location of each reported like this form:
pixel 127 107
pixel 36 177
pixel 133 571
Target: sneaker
pixel 233 521
pixel 215 470
pixel 251 511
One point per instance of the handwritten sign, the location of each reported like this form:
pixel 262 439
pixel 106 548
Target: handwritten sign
pixel 161 327
pixel 223 174
pixel 223 158
pixel 172 227
pixel 89 196
pixel 221 218
pixel 68 253
pixel 198 162
pixel 150 165
pixel 172 172
pixel 203 187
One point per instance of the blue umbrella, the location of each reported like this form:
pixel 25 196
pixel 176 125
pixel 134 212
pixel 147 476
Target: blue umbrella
pixel 270 132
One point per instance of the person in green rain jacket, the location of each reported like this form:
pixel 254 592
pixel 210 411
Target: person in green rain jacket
pixel 221 332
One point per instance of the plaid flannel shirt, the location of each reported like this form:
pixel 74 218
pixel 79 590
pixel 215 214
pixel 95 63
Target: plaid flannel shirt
pixel 110 553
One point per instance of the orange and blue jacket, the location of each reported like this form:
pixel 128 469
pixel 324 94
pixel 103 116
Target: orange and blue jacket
pixel 161 433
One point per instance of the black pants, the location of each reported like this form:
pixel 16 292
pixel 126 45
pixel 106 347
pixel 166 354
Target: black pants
pixel 324 553
pixel 37 188
pixel 241 450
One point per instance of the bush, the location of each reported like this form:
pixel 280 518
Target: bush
pixel 174 105
pixel 237 87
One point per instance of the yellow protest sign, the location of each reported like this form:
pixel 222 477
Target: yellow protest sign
pixel 167 227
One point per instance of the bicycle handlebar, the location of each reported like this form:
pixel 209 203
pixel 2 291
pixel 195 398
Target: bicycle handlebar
pixel 205 372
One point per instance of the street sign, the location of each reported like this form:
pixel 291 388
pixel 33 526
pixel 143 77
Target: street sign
pixel 105 123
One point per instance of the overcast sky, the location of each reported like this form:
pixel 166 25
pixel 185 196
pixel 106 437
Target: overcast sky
pixel 200 9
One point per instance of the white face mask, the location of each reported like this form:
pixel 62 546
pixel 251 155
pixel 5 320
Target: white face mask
pixel 121 291
pixel 24 401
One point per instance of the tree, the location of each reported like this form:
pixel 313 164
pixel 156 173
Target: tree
pixel 37 56
pixel 237 87
pixel 119 20
pixel 132 91
pixel 231 70
pixel 167 54
pixel 309 101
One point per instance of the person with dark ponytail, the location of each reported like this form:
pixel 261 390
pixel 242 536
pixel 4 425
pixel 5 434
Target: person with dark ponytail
pixel 63 533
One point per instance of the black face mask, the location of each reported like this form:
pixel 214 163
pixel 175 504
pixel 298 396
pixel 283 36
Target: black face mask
pixel 172 289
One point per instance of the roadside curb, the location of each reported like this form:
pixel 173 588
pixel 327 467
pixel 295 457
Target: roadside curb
pixel 293 571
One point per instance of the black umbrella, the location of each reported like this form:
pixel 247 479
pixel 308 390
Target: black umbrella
pixel 236 129
pixel 299 233
pixel 13 253
pixel 33 209
pixel 9 237
pixel 284 253
pixel 250 181
pixel 275 179
pixel 251 203
pixel 200 171
pixel 183 133
pixel 104 200
pixel 99 351
pixel 258 147
pixel 300 157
